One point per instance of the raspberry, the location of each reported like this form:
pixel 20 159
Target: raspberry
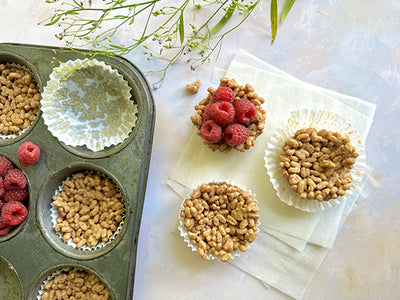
pixel 2 188
pixel 5 166
pixel 223 93
pixel 14 180
pixel 4 227
pixel 211 131
pixel 28 154
pixel 16 195
pixel 246 112
pixel 236 134
pixel 222 112
pixel 207 112
pixel 14 212
pixel 234 121
pixel 2 202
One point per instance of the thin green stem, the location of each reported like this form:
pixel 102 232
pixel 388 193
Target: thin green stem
pixel 170 37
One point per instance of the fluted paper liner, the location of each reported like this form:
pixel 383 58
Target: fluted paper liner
pixel 184 233
pixel 54 214
pixel 306 118
pixel 87 103
pixel 49 278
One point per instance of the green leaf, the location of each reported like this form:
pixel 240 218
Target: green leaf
pixel 225 18
pixel 274 19
pixel 181 29
pixel 78 4
pixel 286 9
pixel 54 19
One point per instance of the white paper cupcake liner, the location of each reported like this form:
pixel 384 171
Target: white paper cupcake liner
pixel 13 136
pixel 184 233
pixel 49 278
pixel 87 103
pixel 306 118
pixel 54 214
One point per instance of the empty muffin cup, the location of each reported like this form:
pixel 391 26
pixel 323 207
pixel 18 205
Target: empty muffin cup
pixel 88 103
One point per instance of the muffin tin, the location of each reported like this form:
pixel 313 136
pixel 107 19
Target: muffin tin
pixel 33 251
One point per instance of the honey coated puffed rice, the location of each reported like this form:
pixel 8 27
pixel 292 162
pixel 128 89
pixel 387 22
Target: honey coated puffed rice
pixel 75 284
pixel 90 209
pixel 19 100
pixel 255 128
pixel 194 88
pixel 317 164
pixel 220 218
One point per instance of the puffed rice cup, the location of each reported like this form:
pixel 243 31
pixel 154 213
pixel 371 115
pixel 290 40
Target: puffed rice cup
pixel 54 214
pixel 88 103
pixel 306 118
pixel 184 233
pixel 38 82
pixel 50 277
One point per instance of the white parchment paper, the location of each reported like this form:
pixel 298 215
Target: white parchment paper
pixel 291 244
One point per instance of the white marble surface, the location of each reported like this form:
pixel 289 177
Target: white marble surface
pixel 350 46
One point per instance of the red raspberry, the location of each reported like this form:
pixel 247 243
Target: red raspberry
pixel 4 227
pixel 207 112
pixel 236 134
pixel 5 166
pixel 234 121
pixel 211 131
pixel 2 188
pixel 223 93
pixel 28 154
pixel 16 195
pixel 2 202
pixel 222 112
pixel 14 212
pixel 14 180
pixel 246 112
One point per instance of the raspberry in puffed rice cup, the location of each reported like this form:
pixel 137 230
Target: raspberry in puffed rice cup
pixel 254 128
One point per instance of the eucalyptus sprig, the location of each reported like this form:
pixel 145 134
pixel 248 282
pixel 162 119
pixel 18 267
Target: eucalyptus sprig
pixel 192 28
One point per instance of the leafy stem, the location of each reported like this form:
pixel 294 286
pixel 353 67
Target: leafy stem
pixel 166 32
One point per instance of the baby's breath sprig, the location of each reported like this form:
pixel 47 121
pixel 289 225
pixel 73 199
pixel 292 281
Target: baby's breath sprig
pixel 192 28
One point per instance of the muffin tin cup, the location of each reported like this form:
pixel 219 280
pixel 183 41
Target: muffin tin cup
pixel 17 228
pixel 306 118
pixel 103 121
pixel 14 60
pixel 34 248
pixel 54 214
pixel 10 284
pixel 37 289
pixel 47 214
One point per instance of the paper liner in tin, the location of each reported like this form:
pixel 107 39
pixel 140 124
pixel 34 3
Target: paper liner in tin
pixel 87 103
pixel 49 278
pixel 306 118
pixel 184 233
pixel 54 214
pixel 13 136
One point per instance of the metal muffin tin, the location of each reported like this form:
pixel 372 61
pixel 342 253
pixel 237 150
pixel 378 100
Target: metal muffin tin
pixel 33 251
